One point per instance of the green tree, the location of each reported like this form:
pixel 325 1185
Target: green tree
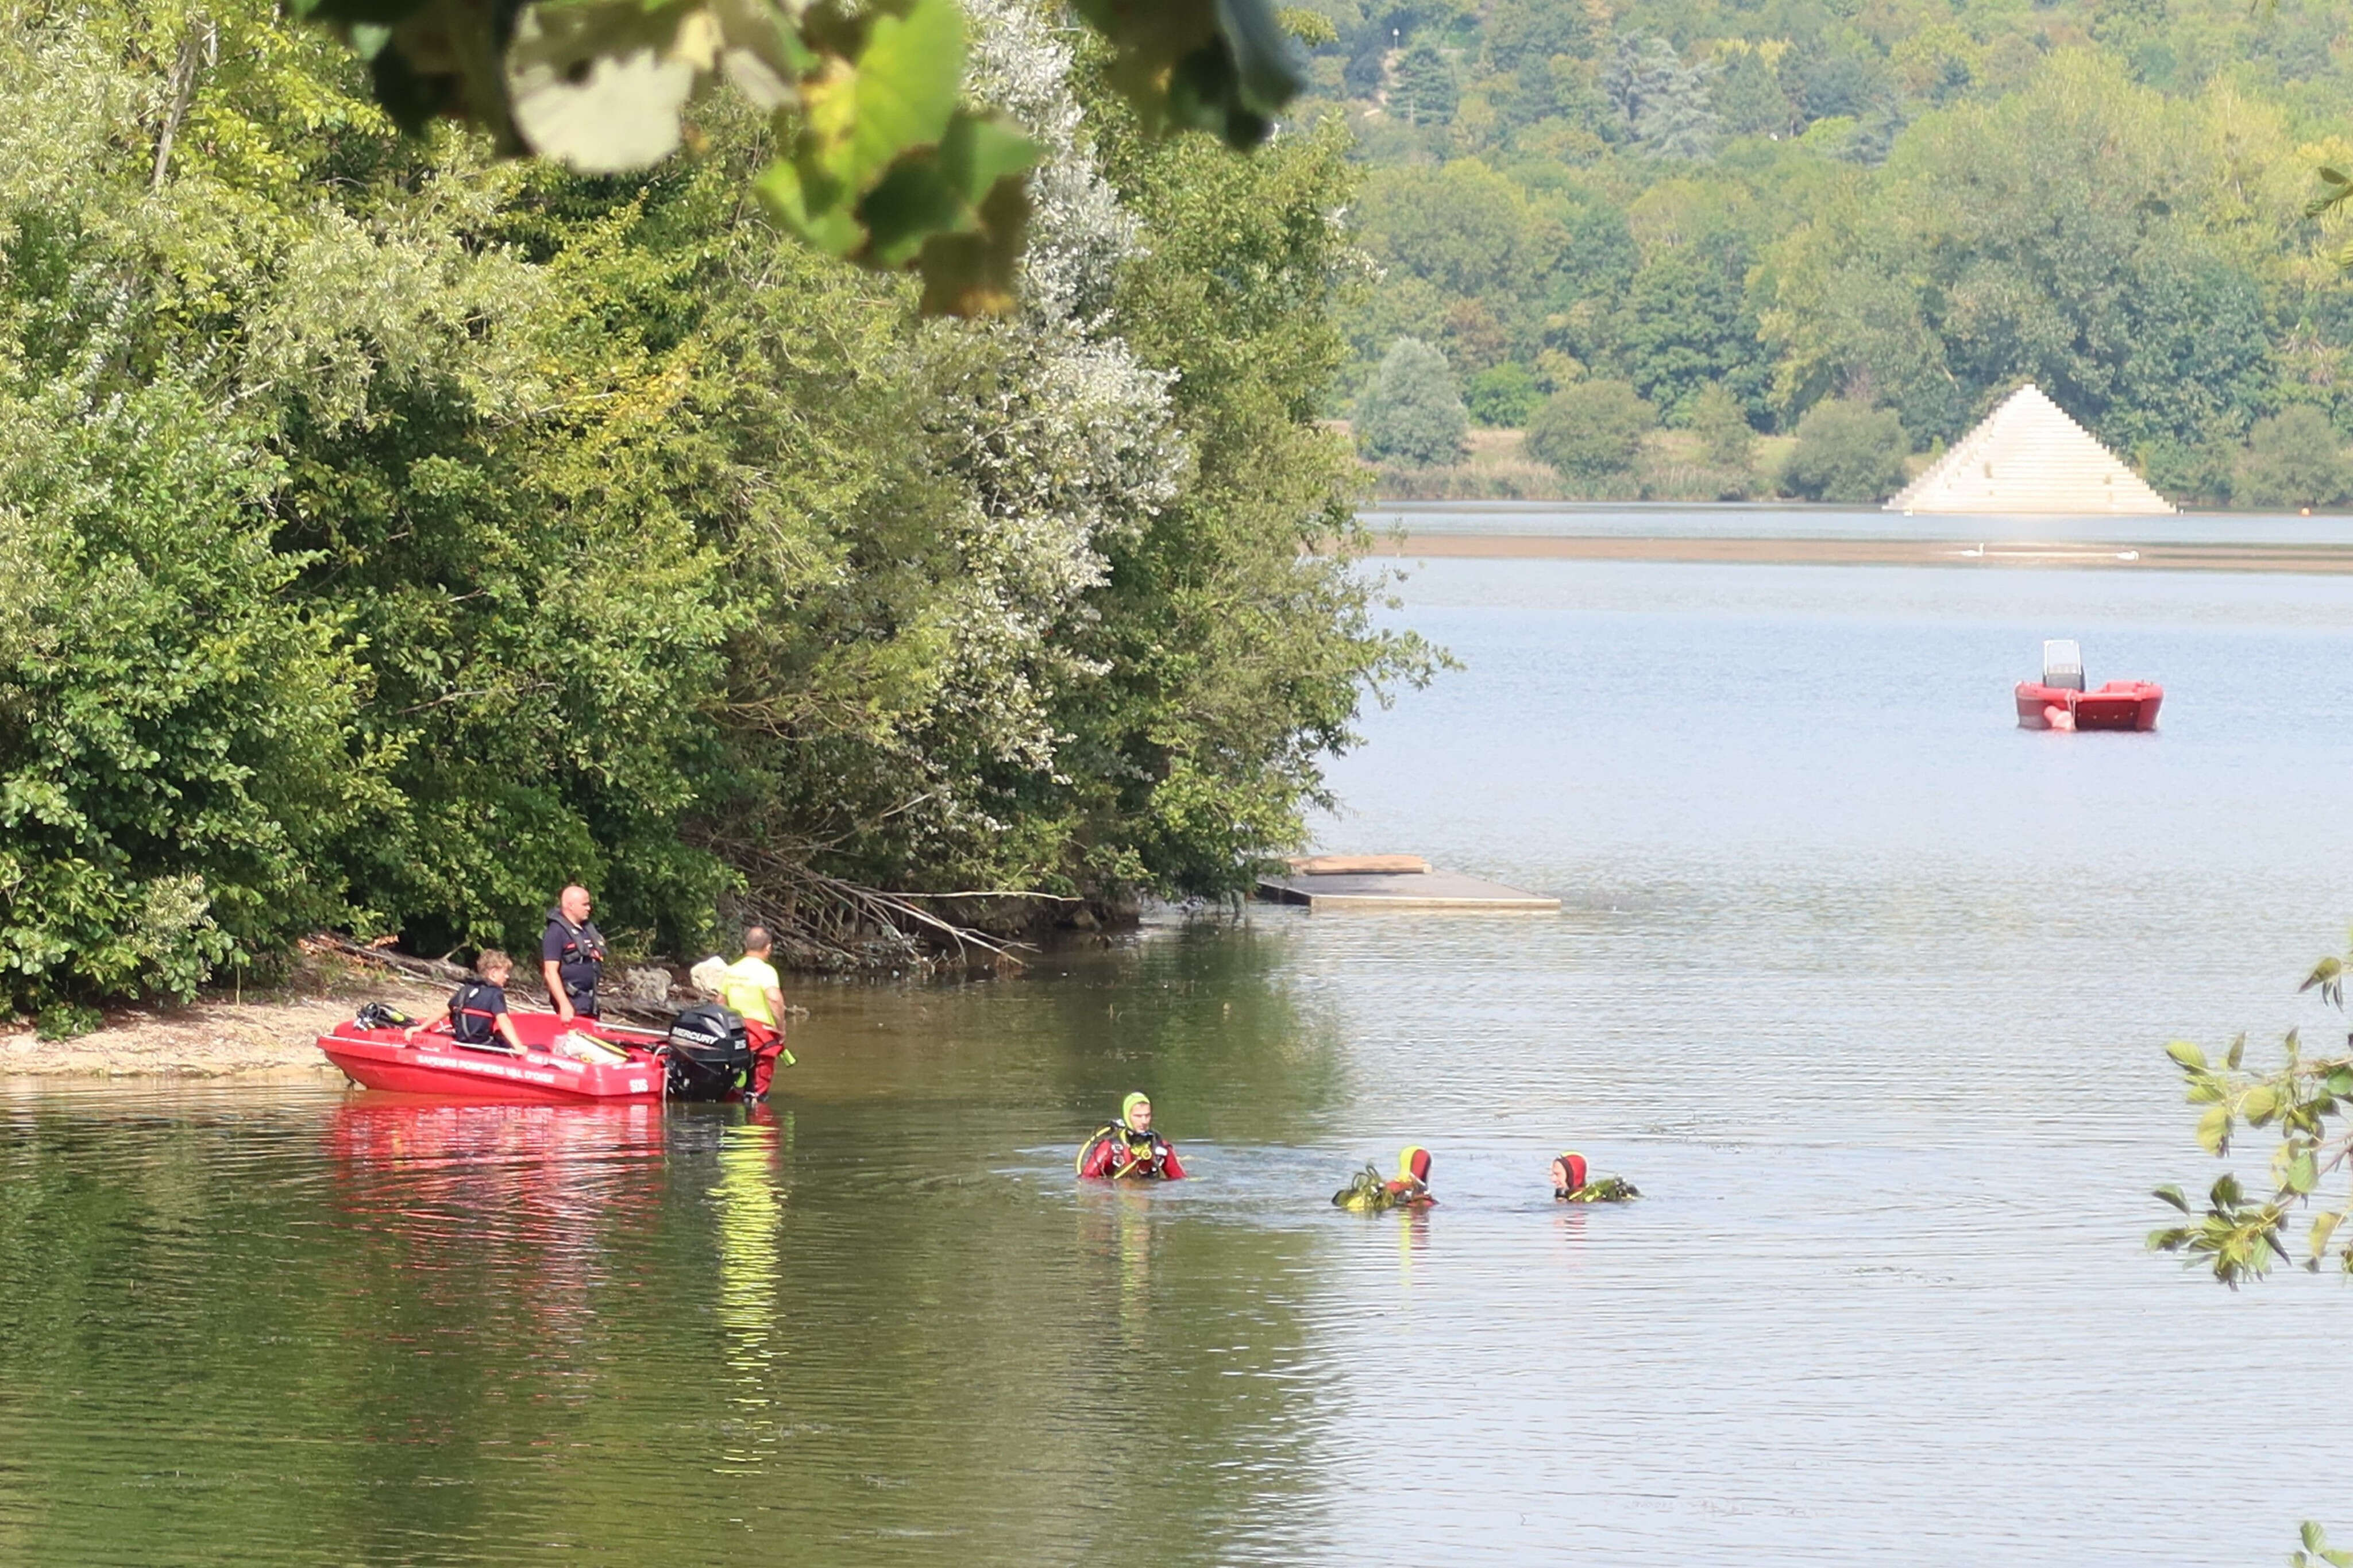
pixel 1412 411
pixel 2294 458
pixel 1726 438
pixel 1749 97
pixel 1531 32
pixel 1236 659
pixel 489 525
pixel 2019 240
pixel 176 743
pixel 1687 325
pixel 1425 91
pixel 2301 1107
pixel 1846 451
pixel 1465 228
pixel 1502 397
pixel 1592 431
pixel 1666 105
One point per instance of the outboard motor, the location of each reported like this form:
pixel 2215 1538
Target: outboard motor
pixel 2062 665
pixel 708 1056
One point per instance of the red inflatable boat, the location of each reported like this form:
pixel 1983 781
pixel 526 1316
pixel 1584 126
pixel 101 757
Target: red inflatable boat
pixel 2058 702
pixel 551 1070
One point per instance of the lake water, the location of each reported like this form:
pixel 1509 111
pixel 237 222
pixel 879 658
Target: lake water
pixel 1863 986
pixel 1784 519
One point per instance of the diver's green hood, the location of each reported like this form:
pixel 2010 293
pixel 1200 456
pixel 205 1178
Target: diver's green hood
pixel 1413 1164
pixel 1127 1107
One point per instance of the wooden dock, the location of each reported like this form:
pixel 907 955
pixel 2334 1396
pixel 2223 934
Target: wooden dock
pixel 1394 882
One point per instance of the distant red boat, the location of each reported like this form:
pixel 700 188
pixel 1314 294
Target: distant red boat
pixel 2058 702
pixel 549 1071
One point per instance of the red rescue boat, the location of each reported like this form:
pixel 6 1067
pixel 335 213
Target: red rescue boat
pixel 2058 702
pixel 549 1070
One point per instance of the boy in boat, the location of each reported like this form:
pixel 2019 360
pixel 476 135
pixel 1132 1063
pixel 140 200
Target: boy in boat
pixel 478 1009
pixel 1129 1149
pixel 751 990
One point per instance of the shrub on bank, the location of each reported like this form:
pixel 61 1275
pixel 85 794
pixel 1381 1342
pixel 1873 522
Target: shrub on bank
pixel 1846 451
pixel 1502 397
pixel 2293 459
pixel 1592 431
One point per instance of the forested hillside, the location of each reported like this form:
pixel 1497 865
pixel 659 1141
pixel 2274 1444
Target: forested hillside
pixel 389 535
pixel 1910 206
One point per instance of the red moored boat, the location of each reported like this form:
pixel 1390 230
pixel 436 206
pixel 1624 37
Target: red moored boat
pixel 2058 702
pixel 385 1057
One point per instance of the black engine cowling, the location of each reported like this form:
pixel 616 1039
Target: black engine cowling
pixel 708 1056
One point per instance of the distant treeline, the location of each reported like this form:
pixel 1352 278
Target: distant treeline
pixel 1913 206
pixel 388 537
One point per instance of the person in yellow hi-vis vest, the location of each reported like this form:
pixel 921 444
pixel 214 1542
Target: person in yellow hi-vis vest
pixel 750 988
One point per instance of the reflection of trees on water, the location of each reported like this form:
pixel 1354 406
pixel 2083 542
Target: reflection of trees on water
pixel 1208 1018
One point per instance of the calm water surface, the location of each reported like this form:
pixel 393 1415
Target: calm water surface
pixel 1783 520
pixel 1863 985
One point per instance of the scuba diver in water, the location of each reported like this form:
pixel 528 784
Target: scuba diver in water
pixel 1129 1149
pixel 1370 1194
pixel 1571 1184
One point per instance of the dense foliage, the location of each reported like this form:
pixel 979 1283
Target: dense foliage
pixel 389 534
pixel 1917 205
pixel 1592 431
pixel 1412 410
pixel 1846 451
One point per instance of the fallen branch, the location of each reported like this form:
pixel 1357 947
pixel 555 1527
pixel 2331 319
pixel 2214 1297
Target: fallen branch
pixel 829 923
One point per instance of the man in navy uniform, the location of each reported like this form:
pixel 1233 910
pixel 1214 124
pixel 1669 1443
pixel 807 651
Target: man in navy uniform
pixel 572 955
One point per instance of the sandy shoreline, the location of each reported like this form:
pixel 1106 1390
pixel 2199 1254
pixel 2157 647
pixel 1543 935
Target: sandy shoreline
pixel 212 1039
pixel 1958 552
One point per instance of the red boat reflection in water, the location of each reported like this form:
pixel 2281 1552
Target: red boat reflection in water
pixel 493 1211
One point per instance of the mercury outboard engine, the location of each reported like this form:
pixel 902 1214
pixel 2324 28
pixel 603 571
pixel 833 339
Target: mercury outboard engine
pixel 708 1055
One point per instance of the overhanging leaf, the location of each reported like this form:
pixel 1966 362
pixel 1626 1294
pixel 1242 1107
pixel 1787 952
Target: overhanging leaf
pixel 599 89
pixel 2214 1130
pixel 972 274
pixel 1226 66
pixel 900 93
pixel 939 191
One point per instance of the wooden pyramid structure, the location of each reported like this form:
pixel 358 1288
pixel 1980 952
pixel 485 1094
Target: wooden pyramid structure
pixel 2027 458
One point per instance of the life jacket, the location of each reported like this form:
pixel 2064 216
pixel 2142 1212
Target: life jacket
pixel 470 1023
pixel 583 948
pixel 1133 1154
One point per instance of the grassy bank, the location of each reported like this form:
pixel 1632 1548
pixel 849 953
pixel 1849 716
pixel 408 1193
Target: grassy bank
pixel 1498 467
